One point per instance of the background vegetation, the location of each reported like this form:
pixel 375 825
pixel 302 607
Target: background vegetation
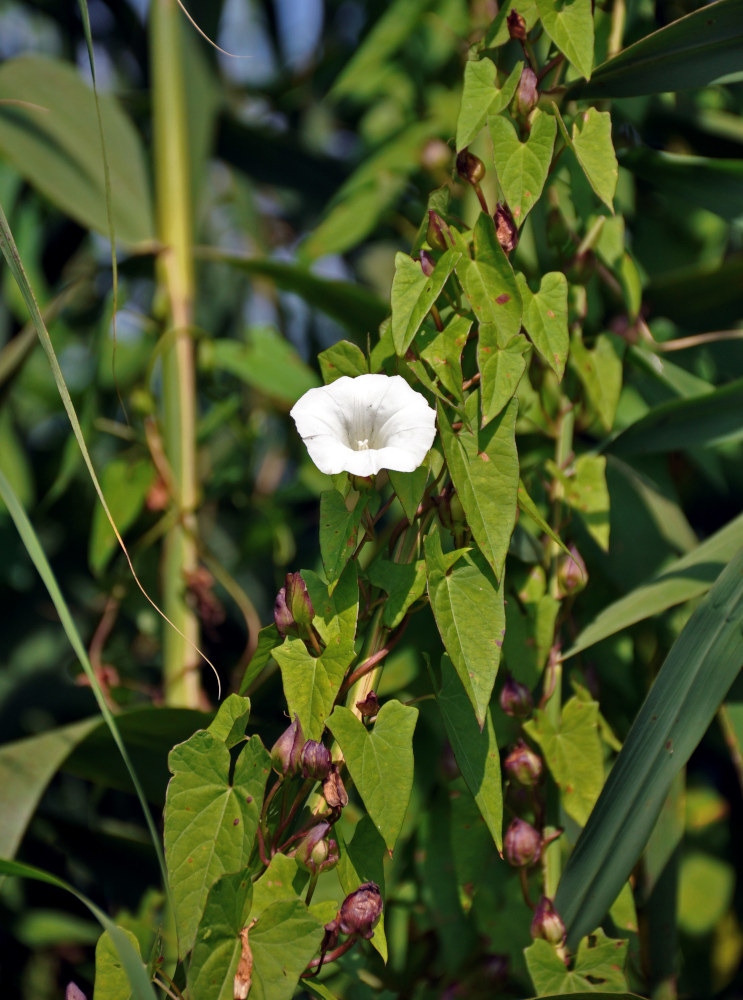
pixel 284 182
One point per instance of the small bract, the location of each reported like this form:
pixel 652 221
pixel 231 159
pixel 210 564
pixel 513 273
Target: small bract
pixel 364 424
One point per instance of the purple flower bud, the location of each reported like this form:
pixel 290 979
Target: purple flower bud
pixel 293 607
pixel 315 852
pixel 505 227
pixel 287 750
pixel 315 760
pixel 523 765
pixel 427 262
pixel 470 167
pixel 436 232
pixel 526 92
pixel 516 26
pixel 333 789
pixel 547 923
pixel 572 575
pixel 73 992
pixel 522 844
pixel 361 911
pixel 369 707
pixel 515 699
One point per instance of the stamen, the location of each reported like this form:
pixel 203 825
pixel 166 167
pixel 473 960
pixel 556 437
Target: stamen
pixel 362 445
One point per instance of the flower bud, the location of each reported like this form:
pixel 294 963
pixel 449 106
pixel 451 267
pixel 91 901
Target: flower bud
pixel 470 167
pixel 547 923
pixel 572 574
pixel 523 765
pixel 287 750
pixel 527 94
pixel 315 760
pixel 315 852
pixel 516 26
pixel 436 232
pixel 515 699
pixel 427 262
pixel 369 707
pixel 333 789
pixel 361 911
pixel 522 844
pixel 293 607
pixel 505 227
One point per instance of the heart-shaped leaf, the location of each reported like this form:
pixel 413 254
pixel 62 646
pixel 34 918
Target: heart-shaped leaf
pixel 569 23
pixel 522 166
pixel 501 368
pixel 545 318
pixel 481 97
pixel 489 282
pixel 380 762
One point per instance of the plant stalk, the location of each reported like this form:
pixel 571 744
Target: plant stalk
pixel 176 280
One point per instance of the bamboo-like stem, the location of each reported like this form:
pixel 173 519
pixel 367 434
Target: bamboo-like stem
pixel 176 278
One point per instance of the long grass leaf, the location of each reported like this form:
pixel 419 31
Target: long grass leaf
pixel 688 690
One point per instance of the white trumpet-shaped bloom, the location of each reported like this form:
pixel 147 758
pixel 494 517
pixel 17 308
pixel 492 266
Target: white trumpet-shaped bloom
pixel 364 424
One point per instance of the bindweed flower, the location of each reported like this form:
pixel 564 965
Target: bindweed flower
pixel 316 852
pixel 315 761
pixel 364 424
pixel 293 608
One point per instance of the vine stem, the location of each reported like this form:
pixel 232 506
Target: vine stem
pixel 177 288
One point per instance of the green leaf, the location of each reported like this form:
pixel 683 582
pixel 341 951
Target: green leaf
pixel 704 47
pixel 694 679
pixel 569 23
pixel 709 419
pixel 442 351
pixel 231 721
pixel 573 753
pixel 131 960
pixel 338 529
pixel 49 133
pixel 489 282
pixel 267 362
pixel 311 683
pixel 593 148
pixel 596 969
pixel 467 604
pixel 211 972
pixel 501 366
pixel 343 358
pixel 481 97
pixel 111 979
pixel 522 166
pixel 588 495
pixel 410 487
pixel 361 861
pixel 545 318
pixel 282 880
pixel 706 885
pixel 403 582
pixel 125 484
pixel 527 505
pixel 600 371
pixel 283 941
pixel 210 822
pixel 475 749
pixel 356 308
pixel 682 580
pixel 484 470
pixel 380 762
pixel 268 640
pixel 413 294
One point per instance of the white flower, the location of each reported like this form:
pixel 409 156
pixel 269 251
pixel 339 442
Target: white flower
pixel 365 424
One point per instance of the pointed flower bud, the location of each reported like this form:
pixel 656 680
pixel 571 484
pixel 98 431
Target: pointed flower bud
pixel 572 574
pixel 523 765
pixel 527 94
pixel 516 26
pixel 287 750
pixel 515 699
pixel 522 844
pixel 470 167
pixel 436 232
pixel 547 923
pixel 505 227
pixel 333 789
pixel 361 911
pixel 369 707
pixel 293 607
pixel 315 760
pixel 315 852
pixel 427 262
